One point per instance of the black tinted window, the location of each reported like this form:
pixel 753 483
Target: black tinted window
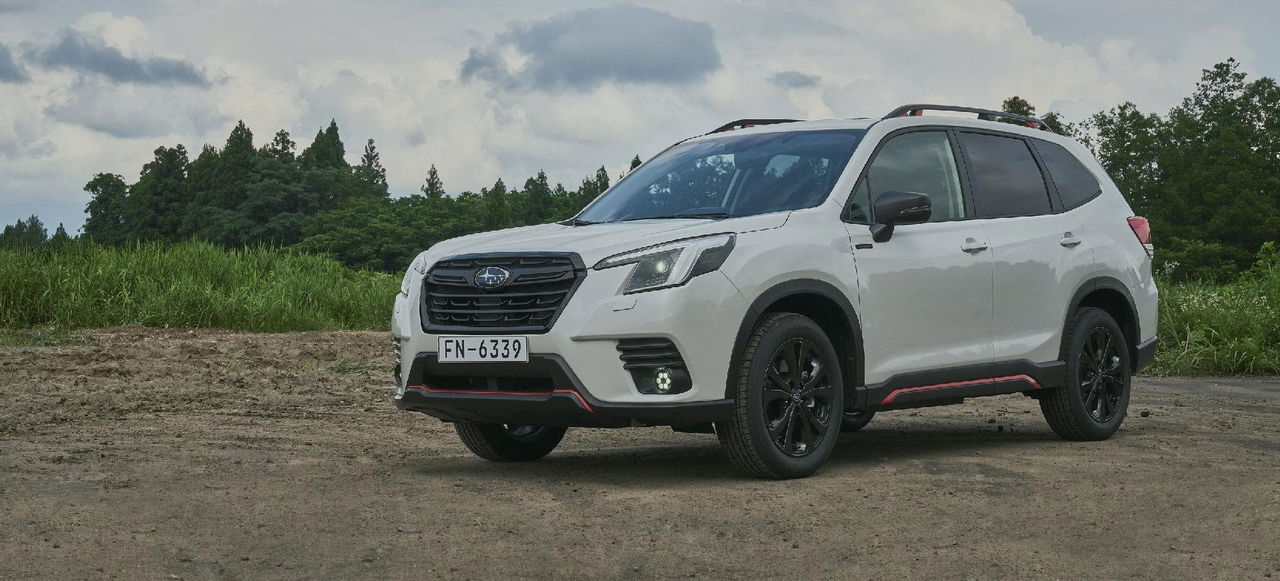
pixel 1006 179
pixel 1076 185
pixel 919 162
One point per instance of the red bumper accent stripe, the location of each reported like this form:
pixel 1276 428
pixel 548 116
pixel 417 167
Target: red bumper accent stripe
pixel 577 396
pixel 1023 377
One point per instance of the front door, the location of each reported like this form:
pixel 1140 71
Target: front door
pixel 925 295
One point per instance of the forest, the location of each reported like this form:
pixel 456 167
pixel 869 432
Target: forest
pixel 1206 173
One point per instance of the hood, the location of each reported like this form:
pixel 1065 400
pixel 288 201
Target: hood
pixel 597 241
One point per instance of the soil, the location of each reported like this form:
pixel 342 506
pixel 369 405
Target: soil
pixel 141 453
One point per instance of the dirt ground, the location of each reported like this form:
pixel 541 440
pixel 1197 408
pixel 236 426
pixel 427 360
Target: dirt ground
pixel 171 454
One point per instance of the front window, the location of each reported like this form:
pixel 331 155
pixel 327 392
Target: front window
pixel 730 176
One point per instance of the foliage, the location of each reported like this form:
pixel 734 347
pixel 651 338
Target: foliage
pixel 190 284
pixel 29 233
pixel 1224 329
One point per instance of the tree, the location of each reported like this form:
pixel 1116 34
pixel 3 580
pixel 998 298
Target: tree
pixel 25 234
pixel 539 207
pixel 371 172
pixel 281 147
pixel 635 163
pixel 157 204
pixel 60 238
pixel 433 188
pixel 496 210
pixel 326 151
pixel 107 223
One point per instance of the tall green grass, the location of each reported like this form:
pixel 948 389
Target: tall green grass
pixel 191 284
pixel 1204 328
pixel 1227 329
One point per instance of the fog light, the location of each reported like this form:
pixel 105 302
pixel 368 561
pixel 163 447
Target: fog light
pixel 662 380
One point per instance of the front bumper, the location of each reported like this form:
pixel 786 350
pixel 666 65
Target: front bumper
pixel 563 402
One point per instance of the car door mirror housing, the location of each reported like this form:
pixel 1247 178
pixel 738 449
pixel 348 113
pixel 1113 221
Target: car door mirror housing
pixel 896 208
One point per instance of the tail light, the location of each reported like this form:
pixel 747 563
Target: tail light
pixel 1142 229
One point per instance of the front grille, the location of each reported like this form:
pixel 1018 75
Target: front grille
pixel 529 301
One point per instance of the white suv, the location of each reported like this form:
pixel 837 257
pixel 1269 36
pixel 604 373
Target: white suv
pixel 780 281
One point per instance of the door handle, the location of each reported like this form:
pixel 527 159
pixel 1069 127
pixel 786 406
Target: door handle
pixel 971 246
pixel 1070 241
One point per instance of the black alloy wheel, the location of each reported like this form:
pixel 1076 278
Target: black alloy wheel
pixel 797 397
pixel 1101 384
pixel 788 396
pixel 1093 402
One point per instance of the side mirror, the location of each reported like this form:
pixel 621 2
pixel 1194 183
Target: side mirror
pixel 894 208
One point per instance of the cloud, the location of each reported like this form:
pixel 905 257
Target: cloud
pixel 10 70
pixel 16 5
pixel 88 53
pixel 585 48
pixel 136 111
pixel 794 80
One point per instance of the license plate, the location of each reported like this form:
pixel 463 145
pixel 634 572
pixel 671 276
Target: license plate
pixel 486 349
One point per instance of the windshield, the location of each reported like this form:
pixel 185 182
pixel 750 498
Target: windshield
pixel 735 175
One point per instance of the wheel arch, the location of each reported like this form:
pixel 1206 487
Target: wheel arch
pixel 827 306
pixel 1112 296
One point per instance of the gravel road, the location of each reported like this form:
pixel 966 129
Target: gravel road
pixel 137 453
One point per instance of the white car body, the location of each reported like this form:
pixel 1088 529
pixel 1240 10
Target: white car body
pixel 936 299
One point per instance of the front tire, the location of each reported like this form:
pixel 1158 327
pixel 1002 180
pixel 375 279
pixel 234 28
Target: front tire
pixel 1093 403
pixel 509 442
pixel 788 400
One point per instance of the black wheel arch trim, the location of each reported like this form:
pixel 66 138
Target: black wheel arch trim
pixel 853 362
pixel 1097 283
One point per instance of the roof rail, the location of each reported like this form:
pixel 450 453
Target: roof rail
pixel 918 109
pixel 745 123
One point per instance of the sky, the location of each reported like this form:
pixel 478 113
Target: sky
pixel 508 87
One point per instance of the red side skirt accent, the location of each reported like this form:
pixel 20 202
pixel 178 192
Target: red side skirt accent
pixel 1023 377
pixel 577 396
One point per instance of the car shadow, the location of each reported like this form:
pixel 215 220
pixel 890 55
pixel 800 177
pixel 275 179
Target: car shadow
pixel 702 459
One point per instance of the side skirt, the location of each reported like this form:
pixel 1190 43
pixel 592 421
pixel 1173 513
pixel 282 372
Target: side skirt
pixel 954 385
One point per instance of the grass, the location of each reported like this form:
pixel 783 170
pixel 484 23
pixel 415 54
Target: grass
pixel 188 285
pixel 1231 329
pixel 1205 329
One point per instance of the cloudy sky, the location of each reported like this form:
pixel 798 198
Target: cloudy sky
pixel 504 88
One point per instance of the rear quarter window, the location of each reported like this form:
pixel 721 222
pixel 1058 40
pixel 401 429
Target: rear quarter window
pixel 1076 184
pixel 1006 178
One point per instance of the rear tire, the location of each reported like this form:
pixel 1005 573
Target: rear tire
pixel 509 442
pixel 788 401
pixel 856 420
pixel 1095 399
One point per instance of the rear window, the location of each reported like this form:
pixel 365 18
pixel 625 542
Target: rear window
pixel 1006 179
pixel 1076 184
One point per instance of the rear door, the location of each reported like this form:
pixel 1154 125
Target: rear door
pixel 1039 251
pixel 926 293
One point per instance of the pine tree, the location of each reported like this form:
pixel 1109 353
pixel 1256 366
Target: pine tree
pixel 60 238
pixel 370 170
pixel 497 212
pixel 326 151
pixel 538 202
pixel 281 147
pixel 434 187
pixel 635 163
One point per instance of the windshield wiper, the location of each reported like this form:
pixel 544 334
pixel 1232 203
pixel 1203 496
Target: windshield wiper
pixel 581 222
pixel 703 215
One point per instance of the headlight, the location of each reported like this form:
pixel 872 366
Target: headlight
pixel 417 268
pixel 671 264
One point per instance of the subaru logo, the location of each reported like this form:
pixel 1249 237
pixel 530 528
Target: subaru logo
pixel 492 277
